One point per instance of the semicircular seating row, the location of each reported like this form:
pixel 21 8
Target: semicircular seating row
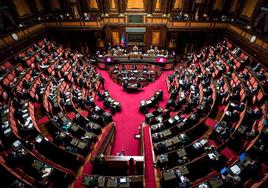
pixel 48 81
pixel 213 132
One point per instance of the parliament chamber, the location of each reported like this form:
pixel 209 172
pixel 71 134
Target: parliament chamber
pixel 134 93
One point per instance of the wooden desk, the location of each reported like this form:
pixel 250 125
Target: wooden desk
pixel 111 158
pixel 124 184
pixel 181 152
pixel 169 175
pixel 101 181
pixel 182 170
pixel 112 182
pixel 89 180
pixel 82 145
pixel 117 165
pixel 216 182
pixel 136 58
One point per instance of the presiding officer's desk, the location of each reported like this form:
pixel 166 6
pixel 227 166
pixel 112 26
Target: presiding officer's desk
pixel 118 165
pixel 120 162
pixel 112 181
pixel 116 173
pixel 167 62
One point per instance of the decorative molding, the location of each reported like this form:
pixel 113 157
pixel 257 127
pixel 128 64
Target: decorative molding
pixel 170 25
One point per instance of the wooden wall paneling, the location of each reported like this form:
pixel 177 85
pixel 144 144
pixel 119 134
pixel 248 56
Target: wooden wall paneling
pixel 75 10
pixel 148 36
pixel 113 34
pixel 172 40
pixel 149 7
pixel 138 6
pixel 66 5
pixel 108 38
pixel 207 7
pixel 167 6
pixel 248 8
pixel 239 8
pixel 40 6
pixel 55 5
pixel 12 10
pixel 33 8
pixel 187 6
pixel 22 8
pixel 113 6
pixel 101 4
pixel 226 6
pixel 218 5
pixel 156 5
pixel 234 4
pixel 99 39
pixel 177 4
pixel 257 9
pixel 164 7
pixel 170 7
pixel 115 38
pixel 106 6
pixel 163 36
pixel 135 4
pixel 80 9
pixel 121 6
pixel 83 6
pixel 156 38
pixel 92 4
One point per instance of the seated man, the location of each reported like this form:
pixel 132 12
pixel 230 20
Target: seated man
pixel 125 85
pixel 134 67
pixel 116 70
pixel 135 48
pixel 139 85
pixel 145 69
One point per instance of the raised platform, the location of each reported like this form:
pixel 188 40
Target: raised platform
pixel 167 63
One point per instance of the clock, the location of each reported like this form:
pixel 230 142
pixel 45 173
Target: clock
pixel 15 36
pixel 253 39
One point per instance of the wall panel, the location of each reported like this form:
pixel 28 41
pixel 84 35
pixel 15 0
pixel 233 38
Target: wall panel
pixel 249 8
pixel 115 37
pixel 22 8
pixel 135 4
pixel 55 4
pixel 156 38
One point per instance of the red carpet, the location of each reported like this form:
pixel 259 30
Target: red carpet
pixel 212 142
pixel 228 153
pixel 42 120
pixel 83 113
pixel 127 123
pixel 148 159
pixel 37 105
pixel 210 122
pixel 71 115
pixel 221 108
pixel 129 119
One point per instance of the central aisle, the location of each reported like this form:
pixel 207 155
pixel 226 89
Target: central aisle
pixel 129 119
